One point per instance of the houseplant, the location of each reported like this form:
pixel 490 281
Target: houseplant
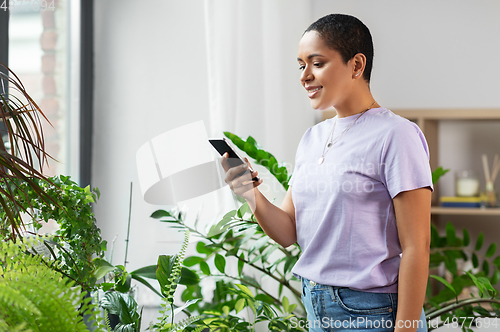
pixel 26 198
pixel 77 242
pixel 34 296
pixel 24 155
pixel 237 236
pixel 62 268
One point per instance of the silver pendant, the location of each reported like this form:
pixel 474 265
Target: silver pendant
pixel 329 144
pixel 321 159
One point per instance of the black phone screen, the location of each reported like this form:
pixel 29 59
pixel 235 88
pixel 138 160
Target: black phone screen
pixel 222 147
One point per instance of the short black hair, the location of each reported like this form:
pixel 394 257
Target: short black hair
pixel 347 35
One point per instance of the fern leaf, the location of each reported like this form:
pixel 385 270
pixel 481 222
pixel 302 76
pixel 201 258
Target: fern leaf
pixel 34 294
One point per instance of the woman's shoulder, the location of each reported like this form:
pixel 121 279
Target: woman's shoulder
pixel 388 122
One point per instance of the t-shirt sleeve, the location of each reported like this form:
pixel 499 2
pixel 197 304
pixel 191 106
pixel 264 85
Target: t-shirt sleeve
pixel 405 159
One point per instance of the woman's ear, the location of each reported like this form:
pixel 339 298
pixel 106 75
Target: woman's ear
pixel 359 63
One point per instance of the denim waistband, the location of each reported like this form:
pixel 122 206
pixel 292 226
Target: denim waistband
pixel 317 286
pixel 314 285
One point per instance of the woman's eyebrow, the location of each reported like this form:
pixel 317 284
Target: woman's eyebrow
pixel 311 56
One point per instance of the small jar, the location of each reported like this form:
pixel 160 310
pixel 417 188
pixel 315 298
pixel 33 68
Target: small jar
pixel 490 196
pixel 466 184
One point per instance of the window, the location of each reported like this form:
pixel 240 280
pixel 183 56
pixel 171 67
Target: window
pixel 44 45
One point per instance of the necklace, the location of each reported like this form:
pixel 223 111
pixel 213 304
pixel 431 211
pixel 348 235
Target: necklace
pixel 330 142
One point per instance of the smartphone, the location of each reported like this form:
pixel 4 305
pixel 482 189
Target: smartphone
pixel 222 145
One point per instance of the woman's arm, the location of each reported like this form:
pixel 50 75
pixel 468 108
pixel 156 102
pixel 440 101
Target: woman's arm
pixel 278 223
pixel 412 210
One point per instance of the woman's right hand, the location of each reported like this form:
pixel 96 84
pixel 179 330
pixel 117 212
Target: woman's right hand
pixel 241 184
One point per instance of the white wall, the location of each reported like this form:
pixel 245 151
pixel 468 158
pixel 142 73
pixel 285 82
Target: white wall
pixel 430 54
pixel 151 76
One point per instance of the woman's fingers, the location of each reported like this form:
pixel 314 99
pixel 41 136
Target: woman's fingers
pixel 239 178
pixel 236 172
pixel 225 162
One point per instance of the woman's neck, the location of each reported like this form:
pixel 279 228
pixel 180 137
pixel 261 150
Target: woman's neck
pixel 357 103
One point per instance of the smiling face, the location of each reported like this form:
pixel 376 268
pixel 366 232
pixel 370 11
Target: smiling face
pixel 327 79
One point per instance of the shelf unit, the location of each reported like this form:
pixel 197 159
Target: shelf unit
pixel 428 121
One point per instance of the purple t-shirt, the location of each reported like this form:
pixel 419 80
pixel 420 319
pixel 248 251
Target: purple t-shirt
pixel 346 225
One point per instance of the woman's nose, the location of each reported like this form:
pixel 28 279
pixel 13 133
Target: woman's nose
pixel 306 76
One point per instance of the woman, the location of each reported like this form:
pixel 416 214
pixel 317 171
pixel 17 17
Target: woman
pixel 359 196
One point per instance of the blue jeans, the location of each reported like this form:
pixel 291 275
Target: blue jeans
pixel 331 308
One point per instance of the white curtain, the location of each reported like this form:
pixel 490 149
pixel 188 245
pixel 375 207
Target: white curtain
pixel 253 73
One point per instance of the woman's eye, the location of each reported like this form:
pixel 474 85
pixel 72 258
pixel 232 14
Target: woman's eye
pixel 301 67
pixel 318 64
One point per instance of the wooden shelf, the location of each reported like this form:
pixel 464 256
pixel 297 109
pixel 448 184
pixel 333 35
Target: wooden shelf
pixel 438 210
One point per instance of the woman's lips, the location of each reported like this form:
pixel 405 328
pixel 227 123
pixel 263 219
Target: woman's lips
pixel 313 91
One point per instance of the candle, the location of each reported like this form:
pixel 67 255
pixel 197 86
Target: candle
pixel 466 185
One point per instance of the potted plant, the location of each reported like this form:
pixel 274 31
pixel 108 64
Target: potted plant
pixel 237 236
pixel 24 155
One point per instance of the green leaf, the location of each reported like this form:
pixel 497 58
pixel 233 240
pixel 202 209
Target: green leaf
pixel 240 304
pixel 290 263
pixel 205 268
pixel 185 305
pixel 272 165
pixel 261 156
pixel 123 286
pixel 495 278
pixel 486 267
pixel 444 282
pixel 497 262
pixel 146 272
pixel 164 269
pixel 220 263
pixel 476 282
pixel 202 249
pixel 483 312
pixel 436 259
pixel 111 302
pixel 158 214
pixel 450 234
pixel 146 283
pixel 193 260
pixel 466 237
pixel 269 251
pixel 253 142
pixel 475 261
pixel 479 242
pixel 438 173
pixel 188 277
pixel 225 310
pixel 258 244
pixel 242 210
pixel 285 303
pixel 450 263
pixel 241 263
pixel 245 290
pixel 264 298
pixel 128 314
pixel 107 286
pixel 250 150
pixel 491 250
pixel 103 268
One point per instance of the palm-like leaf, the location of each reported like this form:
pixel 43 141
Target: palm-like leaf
pixel 21 119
